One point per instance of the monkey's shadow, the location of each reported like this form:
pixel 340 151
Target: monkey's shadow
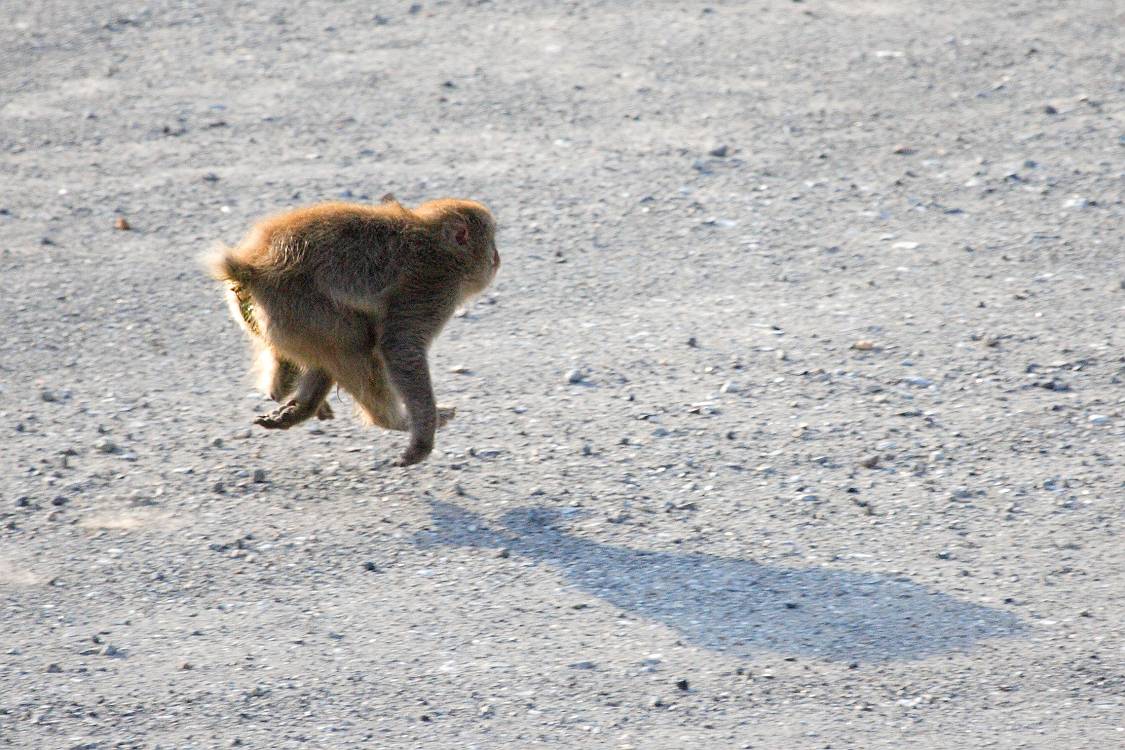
pixel 741 606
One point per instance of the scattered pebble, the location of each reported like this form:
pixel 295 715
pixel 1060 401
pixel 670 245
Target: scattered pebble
pixel 864 345
pixel 106 445
pixel 719 151
pixel 906 245
pixel 575 376
pixel 259 476
pixel 121 224
pixel 1098 419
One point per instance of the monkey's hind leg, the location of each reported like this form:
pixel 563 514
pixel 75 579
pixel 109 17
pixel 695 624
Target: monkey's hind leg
pixel 365 377
pixel 279 378
pixel 312 389
pixel 377 400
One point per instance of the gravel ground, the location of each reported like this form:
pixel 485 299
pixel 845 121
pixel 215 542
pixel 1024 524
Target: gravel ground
pixel 794 419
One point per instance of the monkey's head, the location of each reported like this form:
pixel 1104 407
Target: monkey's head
pixel 468 232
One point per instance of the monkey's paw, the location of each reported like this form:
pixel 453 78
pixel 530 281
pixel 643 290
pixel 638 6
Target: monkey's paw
pixel 445 415
pixel 414 454
pixel 282 418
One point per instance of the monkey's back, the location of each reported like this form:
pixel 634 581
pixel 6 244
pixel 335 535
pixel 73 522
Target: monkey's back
pixel 363 239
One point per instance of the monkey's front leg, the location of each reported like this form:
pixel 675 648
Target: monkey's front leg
pixel 311 391
pixel 410 373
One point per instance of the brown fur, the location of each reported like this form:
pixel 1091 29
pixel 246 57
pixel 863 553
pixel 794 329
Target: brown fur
pixel 354 294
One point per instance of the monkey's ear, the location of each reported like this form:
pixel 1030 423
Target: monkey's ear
pixel 457 230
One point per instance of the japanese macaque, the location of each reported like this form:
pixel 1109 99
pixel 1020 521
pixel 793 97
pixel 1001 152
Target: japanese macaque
pixel 353 294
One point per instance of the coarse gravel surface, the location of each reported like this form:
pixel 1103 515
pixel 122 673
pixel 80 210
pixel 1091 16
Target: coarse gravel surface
pixel 794 419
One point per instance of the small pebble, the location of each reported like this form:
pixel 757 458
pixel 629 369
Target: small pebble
pixel 719 151
pixel 1098 419
pixel 259 476
pixel 863 345
pixel 575 376
pixel 121 224
pixel 106 446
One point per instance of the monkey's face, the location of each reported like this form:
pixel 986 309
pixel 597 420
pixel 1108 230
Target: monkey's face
pixel 487 263
pixel 482 247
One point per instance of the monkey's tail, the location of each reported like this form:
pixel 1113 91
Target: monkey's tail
pixel 222 264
